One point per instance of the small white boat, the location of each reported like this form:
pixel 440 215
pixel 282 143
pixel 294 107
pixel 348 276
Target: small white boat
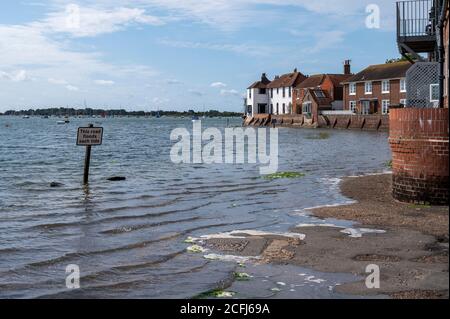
pixel 61 122
pixel 26 117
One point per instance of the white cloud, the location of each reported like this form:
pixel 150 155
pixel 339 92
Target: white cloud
pixel 104 82
pixel 89 22
pixel 229 92
pixel 218 85
pixel 72 88
pixel 15 76
pixel 230 15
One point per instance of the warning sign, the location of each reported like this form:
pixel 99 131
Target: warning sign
pixel 88 136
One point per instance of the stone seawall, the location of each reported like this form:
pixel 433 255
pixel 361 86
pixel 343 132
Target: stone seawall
pixel 355 122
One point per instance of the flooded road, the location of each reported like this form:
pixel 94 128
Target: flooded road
pixel 128 237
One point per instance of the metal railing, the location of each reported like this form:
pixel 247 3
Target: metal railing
pixel 416 18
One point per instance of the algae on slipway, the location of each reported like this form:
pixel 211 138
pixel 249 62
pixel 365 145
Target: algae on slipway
pixel 282 175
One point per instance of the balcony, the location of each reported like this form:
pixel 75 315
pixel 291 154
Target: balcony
pixel 416 26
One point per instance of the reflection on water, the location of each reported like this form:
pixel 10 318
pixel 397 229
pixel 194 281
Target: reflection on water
pixel 128 237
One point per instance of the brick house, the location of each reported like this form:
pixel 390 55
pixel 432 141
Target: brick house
pixel 320 92
pixel 375 89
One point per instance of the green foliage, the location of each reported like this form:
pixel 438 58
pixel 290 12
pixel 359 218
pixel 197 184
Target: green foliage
pixel 283 175
pixel 320 136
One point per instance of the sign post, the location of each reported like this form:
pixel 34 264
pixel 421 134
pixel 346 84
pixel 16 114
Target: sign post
pixel 89 136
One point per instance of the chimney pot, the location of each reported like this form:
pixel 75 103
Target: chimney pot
pixel 347 67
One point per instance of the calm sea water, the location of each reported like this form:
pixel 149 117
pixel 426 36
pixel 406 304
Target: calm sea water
pixel 128 237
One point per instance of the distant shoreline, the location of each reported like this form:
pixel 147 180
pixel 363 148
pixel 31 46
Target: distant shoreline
pixel 87 112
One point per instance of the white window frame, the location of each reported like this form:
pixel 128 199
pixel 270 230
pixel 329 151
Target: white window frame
pixel 366 86
pixel 431 92
pixel 403 102
pixel 385 104
pixel 402 85
pixel 352 106
pixel 352 89
pixel 386 83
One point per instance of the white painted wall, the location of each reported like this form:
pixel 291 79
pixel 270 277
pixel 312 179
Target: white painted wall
pixel 255 98
pixel 278 98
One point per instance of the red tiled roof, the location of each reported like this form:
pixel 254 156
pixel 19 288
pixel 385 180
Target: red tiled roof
pixel 312 81
pixel 286 80
pixel 317 79
pixel 381 72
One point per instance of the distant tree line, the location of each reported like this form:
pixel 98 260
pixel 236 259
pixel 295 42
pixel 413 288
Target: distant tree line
pixel 113 113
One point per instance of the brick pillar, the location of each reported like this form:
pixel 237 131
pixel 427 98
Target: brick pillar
pixel 419 143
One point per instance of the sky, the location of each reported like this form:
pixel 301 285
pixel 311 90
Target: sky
pixel 178 54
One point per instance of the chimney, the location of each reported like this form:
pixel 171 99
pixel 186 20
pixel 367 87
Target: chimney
pixel 295 70
pixel 347 67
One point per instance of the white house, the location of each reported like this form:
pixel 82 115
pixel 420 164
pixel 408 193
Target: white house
pixel 280 92
pixel 257 97
pixel 273 97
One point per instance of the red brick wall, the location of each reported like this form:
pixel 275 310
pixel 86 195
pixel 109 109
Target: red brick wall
pixel 419 141
pixel 394 95
pixel 336 93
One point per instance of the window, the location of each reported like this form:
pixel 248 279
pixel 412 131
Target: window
pixel 385 107
pixel 306 108
pixel 249 109
pixel 284 108
pixel 353 106
pixel 290 92
pixel 403 102
pixel 365 107
pixel 284 92
pixel 352 89
pixel 434 92
pixel 271 109
pixel 319 94
pixel 262 91
pixel 385 86
pixel 271 92
pixel 278 110
pixel 278 91
pixel 403 85
pixel 289 110
pixel 250 94
pixel 368 88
